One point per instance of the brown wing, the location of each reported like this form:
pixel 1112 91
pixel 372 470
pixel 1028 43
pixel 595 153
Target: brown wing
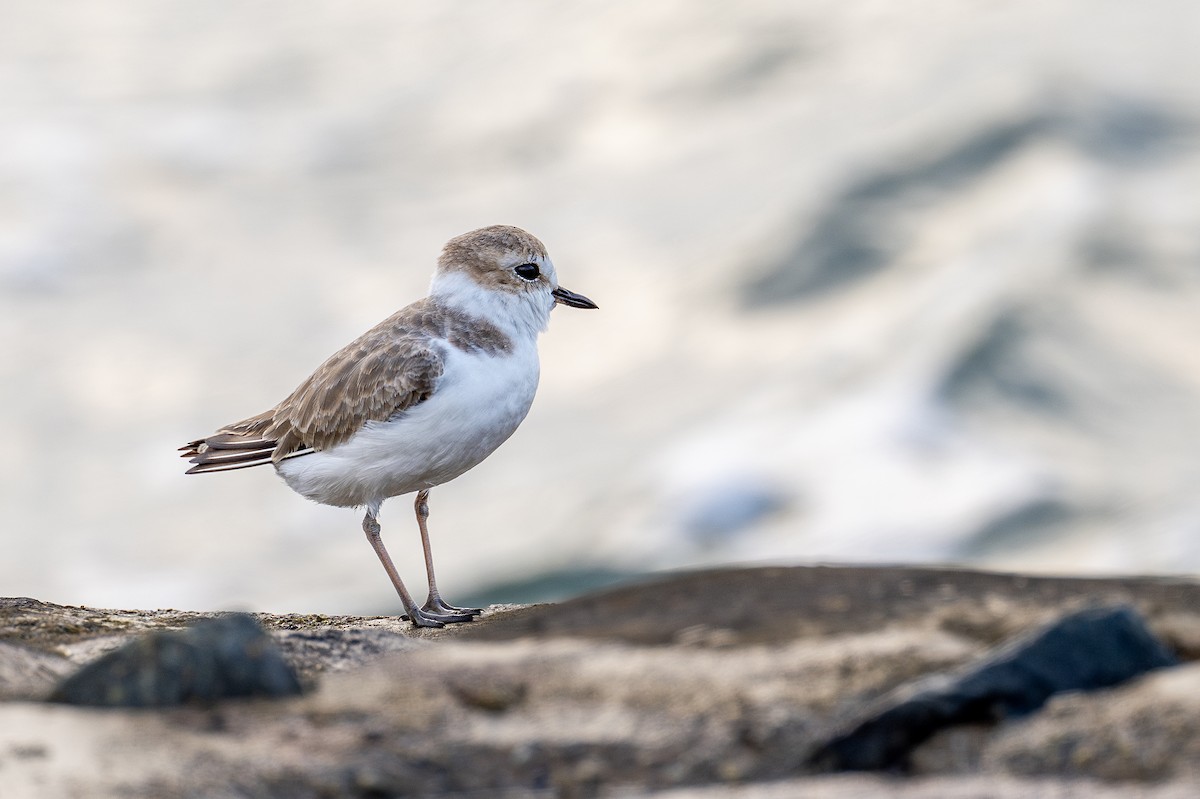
pixel 371 380
pixel 388 369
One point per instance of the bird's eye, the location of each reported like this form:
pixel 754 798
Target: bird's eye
pixel 528 271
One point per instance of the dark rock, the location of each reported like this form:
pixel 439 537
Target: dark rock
pixel 1090 649
pixel 229 656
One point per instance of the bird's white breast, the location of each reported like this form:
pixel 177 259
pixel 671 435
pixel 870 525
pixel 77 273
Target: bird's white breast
pixel 478 403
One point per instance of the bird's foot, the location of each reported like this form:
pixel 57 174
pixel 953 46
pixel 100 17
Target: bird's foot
pixel 420 618
pixel 440 607
pixel 436 616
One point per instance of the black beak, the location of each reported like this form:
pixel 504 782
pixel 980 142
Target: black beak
pixel 564 297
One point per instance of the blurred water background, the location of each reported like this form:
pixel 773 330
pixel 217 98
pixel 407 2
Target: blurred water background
pixel 879 282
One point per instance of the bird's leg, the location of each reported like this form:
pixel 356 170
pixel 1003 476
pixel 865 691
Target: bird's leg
pixel 417 616
pixel 435 604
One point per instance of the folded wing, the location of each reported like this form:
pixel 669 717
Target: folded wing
pixel 379 375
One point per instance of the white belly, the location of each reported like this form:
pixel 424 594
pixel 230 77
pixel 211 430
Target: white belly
pixel 479 402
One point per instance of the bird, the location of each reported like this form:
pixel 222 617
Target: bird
pixel 416 401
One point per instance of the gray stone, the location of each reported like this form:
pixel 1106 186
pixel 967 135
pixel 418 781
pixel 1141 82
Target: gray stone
pixel 220 658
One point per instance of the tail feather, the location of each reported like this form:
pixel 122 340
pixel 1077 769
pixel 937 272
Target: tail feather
pixel 235 441
pixel 250 442
pixel 220 458
pixel 205 468
pixel 225 452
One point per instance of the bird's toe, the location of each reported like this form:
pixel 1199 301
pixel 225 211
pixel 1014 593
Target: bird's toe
pixel 437 605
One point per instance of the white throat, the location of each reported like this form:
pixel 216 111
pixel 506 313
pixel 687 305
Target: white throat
pixel 522 316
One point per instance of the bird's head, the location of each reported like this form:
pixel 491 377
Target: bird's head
pixel 502 269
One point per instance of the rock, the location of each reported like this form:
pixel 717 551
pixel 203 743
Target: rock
pixel 1147 731
pixel 73 636
pixel 1090 649
pixel 26 672
pixel 719 684
pixel 215 659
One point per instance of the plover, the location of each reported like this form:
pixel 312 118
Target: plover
pixel 417 400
